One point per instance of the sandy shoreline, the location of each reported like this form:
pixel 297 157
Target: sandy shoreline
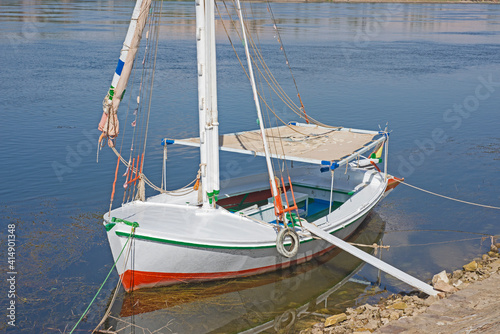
pixel 469 303
pixel 474 309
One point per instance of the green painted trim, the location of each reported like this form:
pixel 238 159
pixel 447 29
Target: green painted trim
pixel 109 226
pixel 243 200
pixel 126 222
pixel 182 243
pixel 324 189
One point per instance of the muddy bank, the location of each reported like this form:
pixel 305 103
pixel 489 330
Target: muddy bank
pixel 469 302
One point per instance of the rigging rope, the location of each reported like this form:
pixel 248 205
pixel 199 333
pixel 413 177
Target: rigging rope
pixel 282 94
pixel 286 58
pixel 450 198
pixel 151 184
pixel 135 164
pixel 269 78
pixel 105 280
pixel 441 242
pixel 120 279
pixel 255 64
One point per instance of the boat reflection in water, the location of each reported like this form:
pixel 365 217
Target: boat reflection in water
pixel 284 300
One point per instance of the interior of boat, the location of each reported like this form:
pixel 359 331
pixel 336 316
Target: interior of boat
pixel 310 192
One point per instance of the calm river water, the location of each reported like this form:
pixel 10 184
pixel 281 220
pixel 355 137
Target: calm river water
pixel 432 71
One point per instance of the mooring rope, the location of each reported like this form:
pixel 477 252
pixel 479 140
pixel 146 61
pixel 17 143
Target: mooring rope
pixel 105 280
pixel 450 198
pixel 115 294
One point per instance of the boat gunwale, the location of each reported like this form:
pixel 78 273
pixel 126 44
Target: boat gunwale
pixel 339 226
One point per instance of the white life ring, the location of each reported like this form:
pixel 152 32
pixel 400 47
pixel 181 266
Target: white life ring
pixel 280 242
pixel 285 321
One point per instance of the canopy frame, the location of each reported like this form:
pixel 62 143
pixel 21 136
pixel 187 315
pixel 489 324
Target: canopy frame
pixel 378 138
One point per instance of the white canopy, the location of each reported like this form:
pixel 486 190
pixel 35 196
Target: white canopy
pixel 300 142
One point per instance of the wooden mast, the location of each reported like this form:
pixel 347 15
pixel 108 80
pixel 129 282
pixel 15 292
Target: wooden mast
pixel 207 101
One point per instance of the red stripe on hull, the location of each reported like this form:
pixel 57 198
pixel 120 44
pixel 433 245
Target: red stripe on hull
pixel 134 279
pixel 393 182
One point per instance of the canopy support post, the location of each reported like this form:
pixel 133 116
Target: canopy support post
pixel 386 156
pixel 331 191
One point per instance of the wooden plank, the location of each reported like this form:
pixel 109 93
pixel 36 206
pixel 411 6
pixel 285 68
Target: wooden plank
pixel 393 271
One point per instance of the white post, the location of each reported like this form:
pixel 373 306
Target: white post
pixel 331 192
pixel 164 174
pixel 212 124
pixel 386 156
pixel 201 59
pixel 207 101
pixel 257 103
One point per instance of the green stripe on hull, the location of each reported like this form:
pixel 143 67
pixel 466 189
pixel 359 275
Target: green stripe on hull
pixel 182 243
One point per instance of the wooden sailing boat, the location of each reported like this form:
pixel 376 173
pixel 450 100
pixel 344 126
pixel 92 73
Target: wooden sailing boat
pixel 227 307
pixel 255 224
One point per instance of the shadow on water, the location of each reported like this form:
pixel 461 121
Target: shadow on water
pixel 290 299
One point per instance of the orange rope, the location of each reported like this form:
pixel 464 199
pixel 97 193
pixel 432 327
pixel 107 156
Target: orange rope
pixel 114 183
pixel 137 170
pixel 290 208
pixel 128 175
pixel 278 204
pixel 374 164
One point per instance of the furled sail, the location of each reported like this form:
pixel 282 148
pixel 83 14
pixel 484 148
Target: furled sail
pixel 109 125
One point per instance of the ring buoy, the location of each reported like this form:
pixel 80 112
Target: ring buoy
pixel 292 249
pixel 284 322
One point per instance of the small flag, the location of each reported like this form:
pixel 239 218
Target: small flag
pixel 378 154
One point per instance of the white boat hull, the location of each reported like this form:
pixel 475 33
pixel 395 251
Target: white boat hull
pixel 179 243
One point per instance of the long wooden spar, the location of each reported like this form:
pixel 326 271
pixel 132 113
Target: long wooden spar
pixel 385 267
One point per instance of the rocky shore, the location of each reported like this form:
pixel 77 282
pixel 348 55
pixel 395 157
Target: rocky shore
pixel 469 302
